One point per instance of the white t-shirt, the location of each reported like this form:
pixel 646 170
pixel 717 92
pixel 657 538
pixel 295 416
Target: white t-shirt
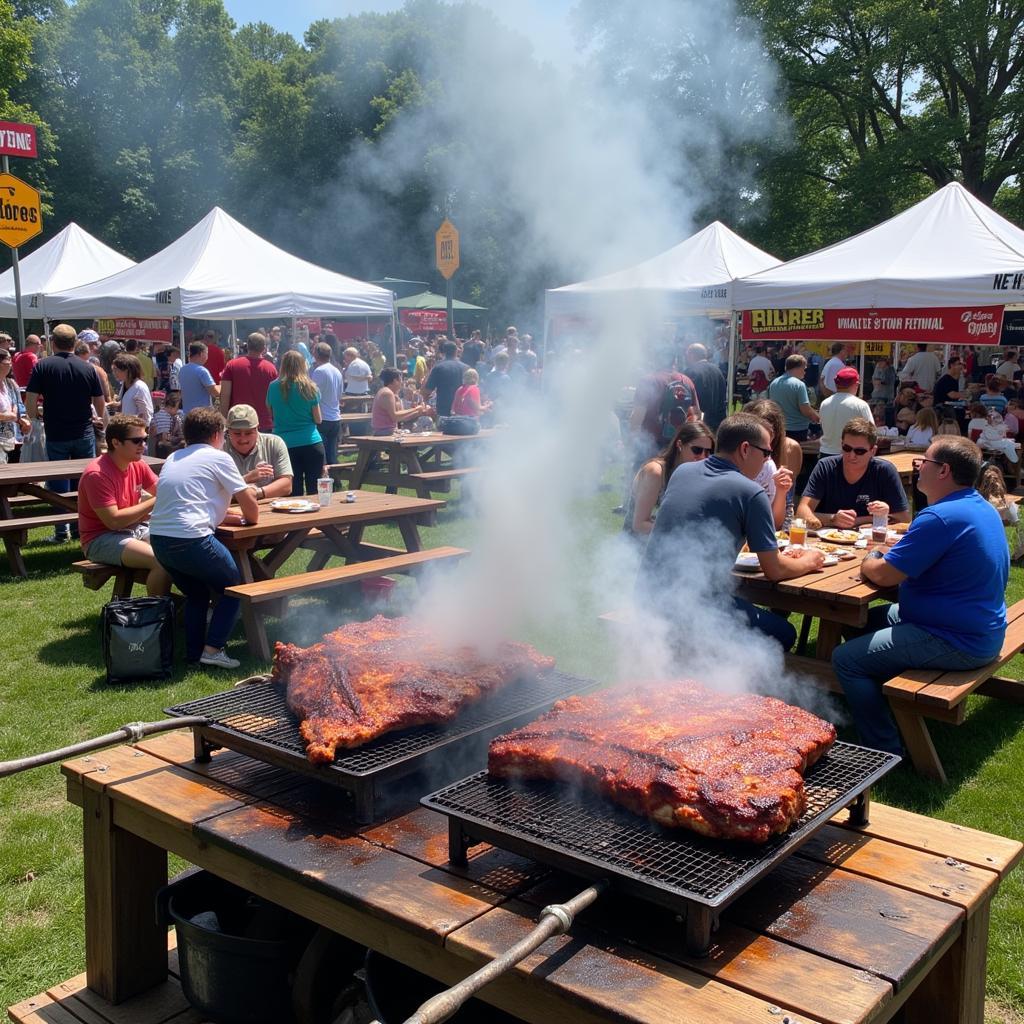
pixel 884 431
pixel 137 401
pixel 196 488
pixel 762 363
pixel 832 367
pixel 923 369
pixel 920 435
pixel 836 411
pixel 357 378
pixel 328 379
pixel 764 478
pixel 1007 369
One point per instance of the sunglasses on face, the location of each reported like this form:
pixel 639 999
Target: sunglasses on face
pixel 698 451
pixel 918 463
pixel 766 452
pixel 850 450
pixel 137 440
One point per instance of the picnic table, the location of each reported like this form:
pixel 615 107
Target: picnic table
pixel 836 596
pixel 421 461
pixel 261 549
pixel 26 480
pixel 858 925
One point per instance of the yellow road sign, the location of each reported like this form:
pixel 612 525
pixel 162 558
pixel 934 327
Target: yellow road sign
pixel 446 248
pixel 21 216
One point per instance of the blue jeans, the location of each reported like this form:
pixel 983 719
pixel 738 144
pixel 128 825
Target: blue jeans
pixel 886 649
pixel 329 431
pixel 201 568
pixel 61 451
pixel 767 622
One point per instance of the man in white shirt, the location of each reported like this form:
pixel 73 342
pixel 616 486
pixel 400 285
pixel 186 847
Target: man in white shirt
pixel 760 362
pixel 357 373
pixel 923 368
pixel 827 383
pixel 1009 366
pixel 328 379
pixel 837 410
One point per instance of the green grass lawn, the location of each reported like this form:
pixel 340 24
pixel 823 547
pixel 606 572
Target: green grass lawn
pixel 52 693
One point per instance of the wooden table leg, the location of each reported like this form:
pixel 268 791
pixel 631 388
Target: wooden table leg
pixel 830 635
pixel 125 947
pixel 918 741
pixel 954 990
pixel 13 542
pixel 359 473
pixel 410 533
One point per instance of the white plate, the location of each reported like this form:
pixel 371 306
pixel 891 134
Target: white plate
pixel 834 536
pixel 293 505
pixel 748 561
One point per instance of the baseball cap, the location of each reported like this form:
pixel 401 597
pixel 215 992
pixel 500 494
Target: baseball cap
pixel 848 375
pixel 243 417
pixel 88 335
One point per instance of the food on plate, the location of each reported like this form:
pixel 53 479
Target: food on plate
pixel 899 527
pixel 729 766
pixel 370 678
pixel 290 504
pixel 782 535
pixel 839 536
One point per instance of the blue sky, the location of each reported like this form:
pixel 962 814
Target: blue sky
pixel 544 21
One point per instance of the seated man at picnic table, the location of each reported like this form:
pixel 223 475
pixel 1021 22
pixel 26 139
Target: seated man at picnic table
pixel 952 568
pixel 262 459
pixel 717 495
pixel 115 497
pixel 846 490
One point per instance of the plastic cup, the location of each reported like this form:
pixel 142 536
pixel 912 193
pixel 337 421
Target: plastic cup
pixel 879 528
pixel 797 532
pixel 324 489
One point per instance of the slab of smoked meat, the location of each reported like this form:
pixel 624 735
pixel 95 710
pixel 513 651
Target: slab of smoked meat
pixel 727 766
pixel 369 678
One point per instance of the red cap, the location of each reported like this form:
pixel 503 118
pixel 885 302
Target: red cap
pixel 847 375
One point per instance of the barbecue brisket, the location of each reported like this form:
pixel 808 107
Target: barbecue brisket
pixel 369 678
pixel 727 766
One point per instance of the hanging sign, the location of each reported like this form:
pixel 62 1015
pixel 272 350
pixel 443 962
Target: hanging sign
pixel 1013 328
pixel 21 215
pixel 446 248
pixel 962 325
pixel 139 329
pixel 18 139
pixel 424 319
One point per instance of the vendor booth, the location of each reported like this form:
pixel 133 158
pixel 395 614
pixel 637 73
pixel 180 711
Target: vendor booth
pixel 428 311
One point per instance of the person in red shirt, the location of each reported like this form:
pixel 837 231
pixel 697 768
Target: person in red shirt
pixel 215 358
pixel 115 497
pixel 245 380
pixel 25 360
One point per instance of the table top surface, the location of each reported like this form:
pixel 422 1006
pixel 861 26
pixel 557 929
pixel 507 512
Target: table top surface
pixel 423 440
pixel 369 506
pixel 355 417
pixel 29 472
pixel 835 934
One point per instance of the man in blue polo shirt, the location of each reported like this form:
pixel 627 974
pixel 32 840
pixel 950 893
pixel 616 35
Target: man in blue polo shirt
pixel 710 508
pixel 790 393
pixel 951 568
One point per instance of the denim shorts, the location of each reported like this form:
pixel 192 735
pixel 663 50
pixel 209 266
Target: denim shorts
pixel 109 547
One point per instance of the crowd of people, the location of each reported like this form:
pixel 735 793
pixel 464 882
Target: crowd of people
pixel 233 430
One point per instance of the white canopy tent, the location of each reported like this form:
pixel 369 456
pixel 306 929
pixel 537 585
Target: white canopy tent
pixel 948 250
pixel 220 270
pixel 71 258
pixel 694 278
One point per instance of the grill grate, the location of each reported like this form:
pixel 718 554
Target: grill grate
pixel 584 834
pixel 255 719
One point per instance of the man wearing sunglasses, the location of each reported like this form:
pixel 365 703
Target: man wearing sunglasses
pixel 951 569
pixel 115 498
pixel 848 489
pixel 712 507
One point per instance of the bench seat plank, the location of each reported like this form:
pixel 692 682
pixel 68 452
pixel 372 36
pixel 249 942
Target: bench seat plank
pixel 37 522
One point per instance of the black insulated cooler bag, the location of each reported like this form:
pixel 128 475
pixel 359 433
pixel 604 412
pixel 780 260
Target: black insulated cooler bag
pixel 138 639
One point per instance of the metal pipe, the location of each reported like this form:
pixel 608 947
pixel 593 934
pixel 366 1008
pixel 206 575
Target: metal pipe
pixel 133 732
pixel 556 919
pixel 731 362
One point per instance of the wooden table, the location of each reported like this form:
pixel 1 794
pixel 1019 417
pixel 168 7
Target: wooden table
pixel 396 460
pixel 836 596
pixel 857 925
pixel 27 479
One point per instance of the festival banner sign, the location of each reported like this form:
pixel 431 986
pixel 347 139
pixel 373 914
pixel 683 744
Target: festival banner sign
pixel 17 139
pixel 964 325
pixel 141 330
pixel 1013 328
pixel 424 319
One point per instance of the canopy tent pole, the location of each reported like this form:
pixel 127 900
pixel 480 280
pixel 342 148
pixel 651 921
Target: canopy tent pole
pixel 732 362
pixel 896 368
pixel 862 369
pixel 46 334
pixel 394 331
pixel 234 339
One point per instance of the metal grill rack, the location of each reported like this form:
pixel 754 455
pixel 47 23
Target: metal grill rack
pixel 585 835
pixel 255 719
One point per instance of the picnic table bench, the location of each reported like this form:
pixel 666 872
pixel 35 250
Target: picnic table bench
pixel 858 926
pixel 96 574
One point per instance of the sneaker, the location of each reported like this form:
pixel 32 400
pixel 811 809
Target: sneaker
pixel 218 660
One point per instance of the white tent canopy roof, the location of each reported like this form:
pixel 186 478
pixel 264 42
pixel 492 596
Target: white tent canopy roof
pixel 70 259
pixel 220 270
pixel 693 278
pixel 948 250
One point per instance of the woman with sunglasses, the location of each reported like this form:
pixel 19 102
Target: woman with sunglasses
pixel 692 442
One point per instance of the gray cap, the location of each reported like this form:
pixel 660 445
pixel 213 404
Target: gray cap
pixel 243 417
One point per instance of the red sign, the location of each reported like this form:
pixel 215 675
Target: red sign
pixel 141 330
pixel 17 139
pixel 424 319
pixel 312 324
pixel 963 325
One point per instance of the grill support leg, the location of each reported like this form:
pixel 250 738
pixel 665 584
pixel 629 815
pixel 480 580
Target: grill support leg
pixel 860 810
pixel 458 843
pixel 201 747
pixel 700 922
